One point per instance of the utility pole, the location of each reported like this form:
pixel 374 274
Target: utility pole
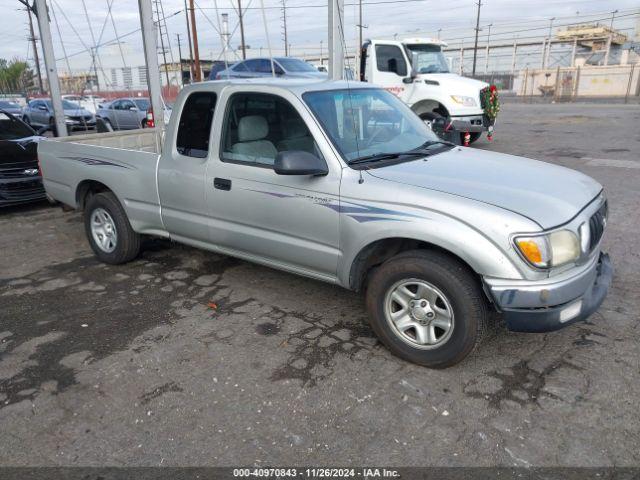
pixel 36 58
pixel 475 46
pixel 486 61
pixel 360 25
pixel 164 52
pixel 50 63
pixel 186 16
pixel 196 54
pixel 180 58
pixel 244 48
pixel 284 25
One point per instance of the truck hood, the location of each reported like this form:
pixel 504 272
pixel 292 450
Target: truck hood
pixel 548 194
pixel 455 84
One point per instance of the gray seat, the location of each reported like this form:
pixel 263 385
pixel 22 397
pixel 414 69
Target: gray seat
pixel 297 137
pixel 252 146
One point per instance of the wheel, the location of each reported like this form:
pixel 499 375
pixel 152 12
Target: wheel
pixel 429 117
pixel 427 308
pixel 108 229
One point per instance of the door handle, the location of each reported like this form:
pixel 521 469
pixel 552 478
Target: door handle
pixel 222 183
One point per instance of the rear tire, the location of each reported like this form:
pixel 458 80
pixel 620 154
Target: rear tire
pixel 429 117
pixel 445 314
pixel 474 136
pixel 108 230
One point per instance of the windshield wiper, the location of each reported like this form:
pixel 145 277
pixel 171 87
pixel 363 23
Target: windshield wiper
pixel 386 156
pixel 430 143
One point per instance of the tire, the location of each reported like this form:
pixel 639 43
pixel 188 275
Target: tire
pixel 446 283
pixel 104 209
pixel 103 125
pixel 428 117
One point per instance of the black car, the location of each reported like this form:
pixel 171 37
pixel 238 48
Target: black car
pixel 20 180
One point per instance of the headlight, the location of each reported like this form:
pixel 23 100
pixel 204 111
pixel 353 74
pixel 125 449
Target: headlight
pixel 550 250
pixel 466 101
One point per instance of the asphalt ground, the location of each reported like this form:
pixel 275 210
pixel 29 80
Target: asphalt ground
pixel 183 357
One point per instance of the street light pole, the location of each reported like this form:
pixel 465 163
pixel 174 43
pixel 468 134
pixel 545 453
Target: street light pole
pixel 50 64
pixel 548 52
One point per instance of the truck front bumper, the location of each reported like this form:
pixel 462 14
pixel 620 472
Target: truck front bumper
pixel 549 305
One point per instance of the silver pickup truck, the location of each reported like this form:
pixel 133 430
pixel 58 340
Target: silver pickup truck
pixel 343 183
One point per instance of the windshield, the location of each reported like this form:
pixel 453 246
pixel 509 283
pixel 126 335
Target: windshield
pixel 66 105
pixel 142 103
pixel 4 104
pixel 427 58
pixel 13 129
pixel 371 121
pixel 295 65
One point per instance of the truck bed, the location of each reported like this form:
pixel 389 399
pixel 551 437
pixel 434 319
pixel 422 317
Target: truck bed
pixel 124 162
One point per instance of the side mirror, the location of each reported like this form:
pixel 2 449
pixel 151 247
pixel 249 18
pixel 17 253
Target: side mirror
pixel 133 109
pixel 298 162
pixel 407 80
pixel 43 108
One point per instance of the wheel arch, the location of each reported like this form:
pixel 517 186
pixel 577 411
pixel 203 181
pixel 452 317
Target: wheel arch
pixel 381 250
pixel 430 105
pixel 86 189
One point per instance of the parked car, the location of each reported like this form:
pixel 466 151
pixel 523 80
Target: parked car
pixel 217 66
pixel 20 180
pixel 88 102
pixel 125 113
pixel 10 107
pixel 285 67
pixel 39 113
pixel 342 182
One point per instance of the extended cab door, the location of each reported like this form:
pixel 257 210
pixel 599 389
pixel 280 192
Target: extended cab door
pixel 290 221
pixel 386 66
pixel 182 169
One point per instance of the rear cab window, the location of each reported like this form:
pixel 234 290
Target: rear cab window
pixel 194 127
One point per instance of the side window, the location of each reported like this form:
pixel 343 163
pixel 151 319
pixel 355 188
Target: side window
pixel 195 124
pixel 257 126
pixel 116 105
pixel 390 59
pixel 265 66
pixel 251 66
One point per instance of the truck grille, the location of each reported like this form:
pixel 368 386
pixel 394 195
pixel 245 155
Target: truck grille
pixel 597 223
pixel 17 172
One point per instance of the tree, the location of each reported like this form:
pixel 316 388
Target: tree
pixel 15 76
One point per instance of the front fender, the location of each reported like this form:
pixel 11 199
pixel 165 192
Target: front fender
pixel 484 256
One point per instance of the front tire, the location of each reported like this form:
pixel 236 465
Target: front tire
pixel 108 230
pixel 427 308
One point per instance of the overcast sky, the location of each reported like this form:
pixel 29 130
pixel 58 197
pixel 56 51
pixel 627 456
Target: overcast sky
pixel 307 23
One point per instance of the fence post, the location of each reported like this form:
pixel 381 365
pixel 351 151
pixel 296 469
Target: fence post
pixel 461 56
pixel 556 90
pixel 626 97
pixel 513 59
pixel 524 82
pixel 575 87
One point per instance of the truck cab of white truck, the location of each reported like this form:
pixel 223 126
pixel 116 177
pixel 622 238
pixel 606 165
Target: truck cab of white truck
pixel 417 71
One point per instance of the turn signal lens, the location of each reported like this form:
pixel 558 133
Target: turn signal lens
pixel 534 249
